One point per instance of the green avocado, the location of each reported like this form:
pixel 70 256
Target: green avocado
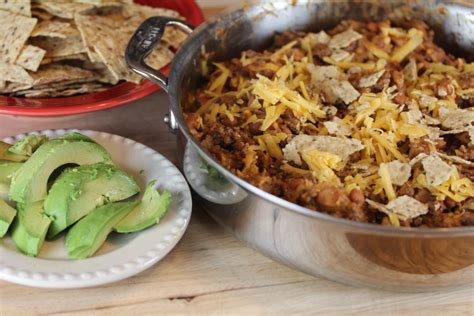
pixel 30 182
pixel 5 154
pixel 4 191
pixel 7 170
pixel 151 209
pixel 30 228
pixel 78 191
pixel 7 214
pixel 77 136
pixel 89 233
pixel 28 145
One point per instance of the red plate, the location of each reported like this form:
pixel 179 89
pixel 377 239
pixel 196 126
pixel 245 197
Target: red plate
pixel 118 95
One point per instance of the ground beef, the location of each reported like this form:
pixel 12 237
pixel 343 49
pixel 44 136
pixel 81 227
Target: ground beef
pixel 235 140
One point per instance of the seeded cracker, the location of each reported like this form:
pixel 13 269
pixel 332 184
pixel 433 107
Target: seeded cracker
pixel 63 9
pixel 55 28
pixel 14 31
pixel 59 47
pixel 106 39
pixel 49 60
pixel 60 74
pixel 30 57
pixel 14 73
pixel 62 91
pixel 22 7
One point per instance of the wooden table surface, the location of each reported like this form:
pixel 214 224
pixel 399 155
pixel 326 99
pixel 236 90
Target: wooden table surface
pixel 209 272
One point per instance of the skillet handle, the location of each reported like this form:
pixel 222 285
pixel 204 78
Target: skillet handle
pixel 145 38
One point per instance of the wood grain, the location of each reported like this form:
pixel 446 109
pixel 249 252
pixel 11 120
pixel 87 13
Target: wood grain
pixel 209 272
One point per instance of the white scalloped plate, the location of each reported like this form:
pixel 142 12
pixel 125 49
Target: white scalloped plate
pixel 122 255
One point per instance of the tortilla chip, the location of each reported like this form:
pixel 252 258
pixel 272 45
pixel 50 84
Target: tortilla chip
pixel 41 14
pixel 106 39
pixel 88 27
pixel 55 28
pixel 65 10
pixel 58 47
pixel 57 73
pixel 49 60
pixel 30 57
pixel 341 147
pixel 14 73
pixel 62 92
pixel 437 171
pixel 105 2
pixel 174 37
pixel 22 7
pixel 14 31
pixel 142 12
pixel 14 86
pixel 399 172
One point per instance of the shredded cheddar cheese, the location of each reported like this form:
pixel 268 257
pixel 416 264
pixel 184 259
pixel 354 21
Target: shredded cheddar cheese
pixel 347 110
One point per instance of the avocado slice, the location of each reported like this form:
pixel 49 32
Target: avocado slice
pixel 78 191
pixel 29 183
pixel 151 209
pixel 5 154
pixel 28 145
pixel 7 170
pixel 77 136
pixel 4 191
pixel 30 228
pixel 89 233
pixel 7 214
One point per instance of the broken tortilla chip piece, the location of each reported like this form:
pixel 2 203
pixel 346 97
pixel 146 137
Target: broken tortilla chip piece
pixel 14 31
pixel 30 57
pixel 399 172
pixel 437 171
pixel 456 119
pixel 344 39
pixel 404 207
pixel 371 80
pixel 341 147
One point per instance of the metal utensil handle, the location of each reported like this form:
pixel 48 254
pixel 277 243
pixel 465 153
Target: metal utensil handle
pixel 146 37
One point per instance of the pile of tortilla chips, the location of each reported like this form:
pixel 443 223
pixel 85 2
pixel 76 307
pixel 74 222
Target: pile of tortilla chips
pixel 54 48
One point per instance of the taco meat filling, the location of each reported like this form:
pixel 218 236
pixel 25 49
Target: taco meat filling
pixel 368 121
